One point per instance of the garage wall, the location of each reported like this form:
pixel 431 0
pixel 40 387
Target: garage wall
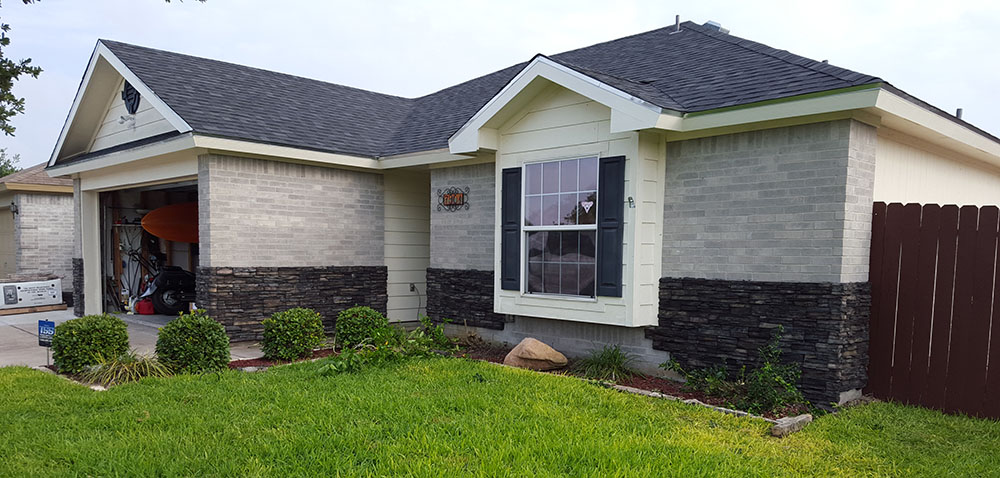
pixel 44 235
pixel 258 213
pixel 908 170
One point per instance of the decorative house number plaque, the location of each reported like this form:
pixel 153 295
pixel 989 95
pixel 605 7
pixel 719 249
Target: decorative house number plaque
pixel 453 199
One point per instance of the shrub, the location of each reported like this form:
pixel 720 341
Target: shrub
pixel 763 389
pixel 193 343
pixel 127 367
pixel 609 363
pixel 359 325
pixel 388 345
pixel 292 334
pixel 436 332
pixel 773 384
pixel 78 343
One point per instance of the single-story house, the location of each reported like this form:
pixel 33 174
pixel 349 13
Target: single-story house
pixel 679 192
pixel 36 226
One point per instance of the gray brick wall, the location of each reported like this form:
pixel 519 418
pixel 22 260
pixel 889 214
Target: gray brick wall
pixel 783 204
pixel 43 231
pixel 258 213
pixel 464 239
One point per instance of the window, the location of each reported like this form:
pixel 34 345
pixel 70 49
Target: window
pixel 560 226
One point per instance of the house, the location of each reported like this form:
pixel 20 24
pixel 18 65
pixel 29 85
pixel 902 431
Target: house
pixel 680 192
pixel 36 226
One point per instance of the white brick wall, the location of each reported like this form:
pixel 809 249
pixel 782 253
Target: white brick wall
pixel 784 204
pixel 43 232
pixel 464 239
pixel 254 212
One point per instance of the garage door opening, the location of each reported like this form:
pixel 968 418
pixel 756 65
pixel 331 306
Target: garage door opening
pixel 149 248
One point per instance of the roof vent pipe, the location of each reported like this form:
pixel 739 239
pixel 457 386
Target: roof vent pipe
pixel 958 113
pixel 677 24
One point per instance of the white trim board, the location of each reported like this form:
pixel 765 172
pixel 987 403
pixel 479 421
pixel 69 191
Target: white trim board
pixel 628 112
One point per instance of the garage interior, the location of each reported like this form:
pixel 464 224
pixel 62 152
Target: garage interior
pixel 149 248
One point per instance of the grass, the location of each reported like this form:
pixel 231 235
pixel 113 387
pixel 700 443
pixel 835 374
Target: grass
pixel 446 417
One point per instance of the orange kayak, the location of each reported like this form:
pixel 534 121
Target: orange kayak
pixel 176 222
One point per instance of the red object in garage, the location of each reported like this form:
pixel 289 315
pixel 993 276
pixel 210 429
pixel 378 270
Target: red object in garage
pixel 145 307
pixel 176 222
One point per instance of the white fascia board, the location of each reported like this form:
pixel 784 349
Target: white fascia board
pixel 171 116
pixel 627 111
pixel 102 51
pixel 913 119
pixel 754 114
pixel 225 145
pixel 172 145
pixel 75 106
pixel 436 156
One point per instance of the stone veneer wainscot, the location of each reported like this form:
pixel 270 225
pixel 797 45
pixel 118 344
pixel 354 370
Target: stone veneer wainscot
pixel 241 297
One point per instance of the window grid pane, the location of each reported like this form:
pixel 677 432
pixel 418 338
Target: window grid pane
pixel 558 194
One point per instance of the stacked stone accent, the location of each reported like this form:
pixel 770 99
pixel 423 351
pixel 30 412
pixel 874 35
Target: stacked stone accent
pixel 241 297
pixel 705 322
pixel 463 296
pixel 78 287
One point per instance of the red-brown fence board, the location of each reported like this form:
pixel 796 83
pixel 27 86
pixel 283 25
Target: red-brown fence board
pixel 935 305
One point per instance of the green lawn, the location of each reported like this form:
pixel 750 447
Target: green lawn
pixel 447 417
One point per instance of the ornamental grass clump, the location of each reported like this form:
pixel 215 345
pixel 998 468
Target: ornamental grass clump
pixel 79 343
pixel 193 343
pixel 609 363
pixel 292 334
pixel 127 367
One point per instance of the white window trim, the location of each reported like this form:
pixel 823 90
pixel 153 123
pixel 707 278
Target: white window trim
pixel 574 227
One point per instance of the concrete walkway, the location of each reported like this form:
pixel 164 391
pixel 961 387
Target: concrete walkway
pixel 19 337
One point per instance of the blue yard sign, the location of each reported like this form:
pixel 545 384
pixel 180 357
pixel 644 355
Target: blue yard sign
pixel 46 329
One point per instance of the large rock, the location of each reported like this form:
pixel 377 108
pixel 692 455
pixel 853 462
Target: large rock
pixel 535 355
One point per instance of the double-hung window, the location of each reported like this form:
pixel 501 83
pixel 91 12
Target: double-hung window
pixel 568 216
pixel 560 227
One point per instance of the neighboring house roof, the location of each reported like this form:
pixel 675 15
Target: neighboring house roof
pixel 35 178
pixel 696 69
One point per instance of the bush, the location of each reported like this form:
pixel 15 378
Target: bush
pixel 773 384
pixel 78 343
pixel 609 363
pixel 292 334
pixel 764 389
pixel 359 325
pixel 193 343
pixel 127 367
pixel 388 345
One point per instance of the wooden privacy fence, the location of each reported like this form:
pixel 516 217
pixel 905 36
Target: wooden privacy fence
pixel 935 318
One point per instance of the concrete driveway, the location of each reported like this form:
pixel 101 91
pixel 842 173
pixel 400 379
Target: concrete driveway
pixel 19 337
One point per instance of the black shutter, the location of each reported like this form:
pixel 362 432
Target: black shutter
pixel 510 223
pixel 610 226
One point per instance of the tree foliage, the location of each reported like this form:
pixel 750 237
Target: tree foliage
pixel 10 71
pixel 8 163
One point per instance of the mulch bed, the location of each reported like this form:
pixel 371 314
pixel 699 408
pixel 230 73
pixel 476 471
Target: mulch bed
pixel 263 362
pixel 477 349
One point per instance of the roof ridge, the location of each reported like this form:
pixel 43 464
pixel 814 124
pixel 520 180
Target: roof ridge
pixel 240 65
pixel 772 52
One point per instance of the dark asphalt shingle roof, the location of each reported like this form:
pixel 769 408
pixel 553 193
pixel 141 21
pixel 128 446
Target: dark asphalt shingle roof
pixel 694 70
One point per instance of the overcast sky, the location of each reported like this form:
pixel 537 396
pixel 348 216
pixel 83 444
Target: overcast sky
pixel 944 52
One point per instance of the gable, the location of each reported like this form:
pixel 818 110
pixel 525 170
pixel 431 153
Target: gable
pixel 120 127
pixel 98 118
